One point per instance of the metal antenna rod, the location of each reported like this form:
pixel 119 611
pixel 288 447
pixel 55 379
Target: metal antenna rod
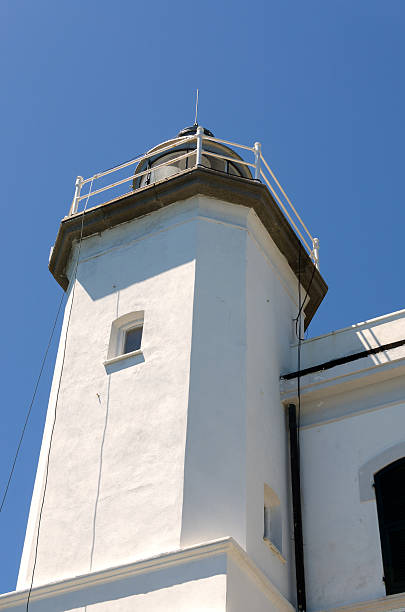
pixel 196 109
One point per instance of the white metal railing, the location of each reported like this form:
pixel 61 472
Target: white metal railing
pixel 261 169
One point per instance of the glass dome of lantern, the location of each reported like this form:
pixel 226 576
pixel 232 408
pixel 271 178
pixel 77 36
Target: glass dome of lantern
pixel 158 165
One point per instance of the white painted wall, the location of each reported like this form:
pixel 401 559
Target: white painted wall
pixel 245 299
pixel 116 469
pixel 270 310
pixel 246 592
pixel 214 473
pixel 171 448
pixel 349 340
pixel 342 542
pixel 353 419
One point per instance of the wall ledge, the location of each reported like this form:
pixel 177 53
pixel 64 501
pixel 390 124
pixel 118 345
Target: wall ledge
pixel 225 546
pixel 392 603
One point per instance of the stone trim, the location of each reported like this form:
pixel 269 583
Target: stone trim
pixel 181 186
pixel 225 546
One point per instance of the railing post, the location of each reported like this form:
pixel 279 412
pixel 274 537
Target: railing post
pixel 200 132
pixel 257 149
pixel 315 251
pixel 75 203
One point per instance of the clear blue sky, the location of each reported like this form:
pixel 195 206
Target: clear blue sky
pixel 87 84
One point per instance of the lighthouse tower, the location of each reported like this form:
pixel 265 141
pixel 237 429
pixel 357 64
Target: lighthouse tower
pixel 163 479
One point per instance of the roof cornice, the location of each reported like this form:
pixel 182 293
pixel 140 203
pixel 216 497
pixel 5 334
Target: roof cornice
pixel 181 186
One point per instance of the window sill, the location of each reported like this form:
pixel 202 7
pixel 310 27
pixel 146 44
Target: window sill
pixel 122 357
pixel 274 550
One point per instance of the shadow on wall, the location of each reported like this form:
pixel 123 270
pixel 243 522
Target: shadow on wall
pixel 111 368
pixel 369 340
pixel 356 340
pixel 135 259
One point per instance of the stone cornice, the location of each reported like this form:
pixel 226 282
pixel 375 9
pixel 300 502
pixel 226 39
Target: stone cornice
pixel 225 546
pixel 200 180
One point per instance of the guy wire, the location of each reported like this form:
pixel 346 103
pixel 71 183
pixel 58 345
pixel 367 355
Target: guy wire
pixel 57 396
pixel 298 322
pixel 31 403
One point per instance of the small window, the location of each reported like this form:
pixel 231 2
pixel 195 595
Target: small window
pixel 390 496
pixel 267 523
pixel 133 338
pixel 126 335
pixel 272 529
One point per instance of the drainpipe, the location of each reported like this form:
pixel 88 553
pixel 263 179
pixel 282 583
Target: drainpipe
pixel 297 514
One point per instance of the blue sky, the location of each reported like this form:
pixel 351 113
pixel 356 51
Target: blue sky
pixel 87 84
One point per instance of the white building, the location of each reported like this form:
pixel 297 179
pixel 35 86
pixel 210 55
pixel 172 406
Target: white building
pixel 164 480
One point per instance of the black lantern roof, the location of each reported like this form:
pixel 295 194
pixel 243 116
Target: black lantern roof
pixel 192 129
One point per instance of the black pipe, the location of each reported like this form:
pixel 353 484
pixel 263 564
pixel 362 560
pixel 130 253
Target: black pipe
pixel 297 514
pixel 326 365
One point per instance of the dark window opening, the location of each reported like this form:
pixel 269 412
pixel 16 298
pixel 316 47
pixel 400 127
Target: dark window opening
pixel 133 339
pixel 390 495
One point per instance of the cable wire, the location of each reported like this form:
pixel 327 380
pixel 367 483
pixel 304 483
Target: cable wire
pixel 302 304
pixel 300 339
pixel 31 403
pixel 57 397
pixel 298 326
pixel 298 322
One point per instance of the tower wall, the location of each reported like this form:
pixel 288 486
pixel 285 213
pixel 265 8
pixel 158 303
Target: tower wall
pixel 173 447
pixel 115 479
pixel 245 300
pixel 215 469
pixel 271 307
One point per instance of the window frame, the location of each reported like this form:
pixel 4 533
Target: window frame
pixel 273 522
pixel 386 527
pixel 119 329
pixel 123 335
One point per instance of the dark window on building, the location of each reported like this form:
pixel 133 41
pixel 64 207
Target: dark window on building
pixel 273 527
pixel 390 495
pixel 133 338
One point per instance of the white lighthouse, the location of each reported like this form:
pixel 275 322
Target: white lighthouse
pixel 163 479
